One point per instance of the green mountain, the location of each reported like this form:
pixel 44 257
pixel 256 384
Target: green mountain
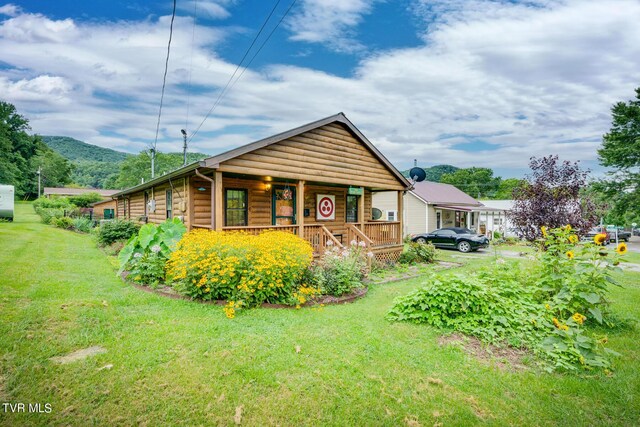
pixel 434 173
pixel 92 165
pixel 73 150
pixel 100 167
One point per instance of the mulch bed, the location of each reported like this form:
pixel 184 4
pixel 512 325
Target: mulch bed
pixel 169 292
pixel 504 357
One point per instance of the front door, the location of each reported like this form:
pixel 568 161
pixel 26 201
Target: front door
pixel 284 205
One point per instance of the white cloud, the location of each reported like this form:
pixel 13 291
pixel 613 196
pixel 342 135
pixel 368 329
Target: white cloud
pixel 330 22
pixel 527 80
pixel 208 9
pixel 54 91
pixel 10 10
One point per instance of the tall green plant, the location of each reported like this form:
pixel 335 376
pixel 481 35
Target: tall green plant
pixel 160 240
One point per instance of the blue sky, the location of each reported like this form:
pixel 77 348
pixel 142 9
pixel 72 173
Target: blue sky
pixel 464 82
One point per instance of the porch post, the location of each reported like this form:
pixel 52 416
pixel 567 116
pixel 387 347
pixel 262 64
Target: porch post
pixel 217 203
pixel 486 226
pixel 401 213
pixel 361 219
pixel 300 209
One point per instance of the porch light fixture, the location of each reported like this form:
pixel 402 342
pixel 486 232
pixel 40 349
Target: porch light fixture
pixel 201 189
pixel 267 186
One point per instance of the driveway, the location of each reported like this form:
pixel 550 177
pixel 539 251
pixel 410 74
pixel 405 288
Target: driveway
pixel 634 244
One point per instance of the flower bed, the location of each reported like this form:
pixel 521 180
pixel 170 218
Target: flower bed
pixel 235 266
pixel 548 309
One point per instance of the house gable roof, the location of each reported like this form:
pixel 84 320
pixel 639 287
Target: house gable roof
pixel 215 161
pixel 436 193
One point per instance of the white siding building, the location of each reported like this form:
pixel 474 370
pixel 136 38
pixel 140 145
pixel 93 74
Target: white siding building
pixel 429 206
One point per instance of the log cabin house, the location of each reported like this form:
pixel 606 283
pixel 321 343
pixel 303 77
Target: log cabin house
pixel 316 181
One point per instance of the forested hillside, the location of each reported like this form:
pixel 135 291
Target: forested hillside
pixel 100 167
pixel 476 182
pixel 23 154
pixel 73 150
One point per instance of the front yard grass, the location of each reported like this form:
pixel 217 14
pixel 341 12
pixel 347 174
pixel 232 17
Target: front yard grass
pixel 182 363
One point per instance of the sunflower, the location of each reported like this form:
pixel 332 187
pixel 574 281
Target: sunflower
pixel 571 255
pixel 567 227
pixel 573 239
pixel 622 248
pixel 544 231
pixel 600 238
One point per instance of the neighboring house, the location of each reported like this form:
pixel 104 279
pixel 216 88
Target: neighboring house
pixel 66 191
pixel 316 181
pixel 105 209
pixel 496 217
pixel 429 206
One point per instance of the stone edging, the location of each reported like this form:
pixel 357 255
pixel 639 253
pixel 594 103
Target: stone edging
pixel 325 299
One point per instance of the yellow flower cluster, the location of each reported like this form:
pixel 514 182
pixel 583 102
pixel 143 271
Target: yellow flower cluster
pixel 573 239
pixel 230 309
pixel 559 325
pixel 571 255
pixel 579 318
pixel 304 293
pixel 239 266
pixel 600 238
pixel 622 248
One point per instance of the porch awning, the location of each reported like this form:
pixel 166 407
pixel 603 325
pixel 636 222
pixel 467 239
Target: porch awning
pixel 467 208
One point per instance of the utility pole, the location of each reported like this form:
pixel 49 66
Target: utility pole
pixel 184 147
pixel 39 178
pixel 153 163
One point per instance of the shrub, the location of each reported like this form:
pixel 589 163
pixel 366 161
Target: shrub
pixel 546 308
pixel 55 202
pixel 117 229
pixel 146 253
pixel 49 214
pixel 62 222
pixel 417 252
pixel 243 268
pixel 83 224
pixel 85 200
pixel 340 271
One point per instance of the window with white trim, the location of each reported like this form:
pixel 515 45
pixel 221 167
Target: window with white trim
pixel 392 215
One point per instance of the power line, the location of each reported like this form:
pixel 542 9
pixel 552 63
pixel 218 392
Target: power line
pixel 264 42
pixel 193 39
pixel 224 90
pixel 164 78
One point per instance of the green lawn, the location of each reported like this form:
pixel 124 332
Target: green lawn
pixel 182 363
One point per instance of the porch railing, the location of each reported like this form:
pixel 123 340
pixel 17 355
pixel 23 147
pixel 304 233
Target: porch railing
pixel 383 233
pixel 319 236
pixel 356 235
pixel 260 228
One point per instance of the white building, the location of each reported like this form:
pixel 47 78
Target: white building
pixel 496 217
pixel 430 206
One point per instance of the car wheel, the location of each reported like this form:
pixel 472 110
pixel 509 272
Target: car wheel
pixel 421 240
pixel 464 247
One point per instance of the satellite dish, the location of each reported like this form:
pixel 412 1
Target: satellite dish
pixel 417 174
pixel 376 213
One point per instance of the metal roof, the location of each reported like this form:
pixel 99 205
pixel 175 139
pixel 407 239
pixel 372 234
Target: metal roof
pixel 436 193
pixel 68 191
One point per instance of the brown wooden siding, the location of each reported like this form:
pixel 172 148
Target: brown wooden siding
pixel 136 209
pixel 201 201
pixel 328 154
pixel 98 208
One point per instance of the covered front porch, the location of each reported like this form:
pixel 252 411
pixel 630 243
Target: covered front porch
pixel 323 213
